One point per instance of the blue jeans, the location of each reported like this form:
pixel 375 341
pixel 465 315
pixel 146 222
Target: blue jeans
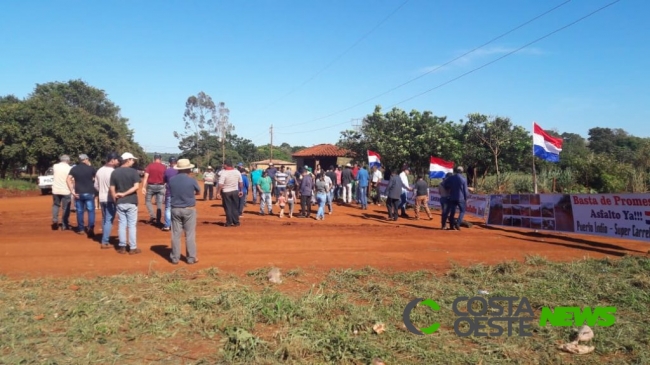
pixel 159 192
pixel 87 202
pixel 451 209
pixel 266 199
pixel 127 216
pixel 321 198
pixel 363 196
pixel 168 212
pixel 255 192
pixel 108 217
pixel 444 205
pixel 330 198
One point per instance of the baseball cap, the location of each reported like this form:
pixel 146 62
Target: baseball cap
pixel 112 156
pixel 172 159
pixel 83 157
pixel 157 156
pixel 240 164
pixel 128 155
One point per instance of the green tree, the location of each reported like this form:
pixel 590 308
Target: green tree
pixel 200 116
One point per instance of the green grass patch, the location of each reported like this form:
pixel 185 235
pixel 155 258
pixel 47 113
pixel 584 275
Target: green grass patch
pixel 18 184
pixel 212 318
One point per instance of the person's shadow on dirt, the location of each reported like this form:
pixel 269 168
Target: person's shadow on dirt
pixel 164 251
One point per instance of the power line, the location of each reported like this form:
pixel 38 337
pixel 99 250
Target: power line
pixel 484 65
pixel 433 70
pixel 507 54
pixel 339 56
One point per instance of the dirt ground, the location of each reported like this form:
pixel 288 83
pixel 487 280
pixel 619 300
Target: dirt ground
pixel 349 238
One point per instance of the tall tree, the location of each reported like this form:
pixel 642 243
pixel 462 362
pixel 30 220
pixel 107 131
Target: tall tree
pixel 223 128
pixel 200 115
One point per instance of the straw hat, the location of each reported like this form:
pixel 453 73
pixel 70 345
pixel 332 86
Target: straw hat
pixel 183 164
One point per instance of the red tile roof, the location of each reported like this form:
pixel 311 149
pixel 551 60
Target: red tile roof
pixel 327 150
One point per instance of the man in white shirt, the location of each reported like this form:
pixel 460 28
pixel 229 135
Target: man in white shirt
pixel 231 184
pixel 405 182
pixel 106 202
pixel 61 193
pixel 377 177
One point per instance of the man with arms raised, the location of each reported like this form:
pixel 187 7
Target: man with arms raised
pixel 183 190
pixel 106 202
pixel 125 182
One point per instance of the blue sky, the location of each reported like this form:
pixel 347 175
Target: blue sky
pixel 256 56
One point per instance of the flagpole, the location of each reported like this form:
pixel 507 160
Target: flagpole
pixel 534 171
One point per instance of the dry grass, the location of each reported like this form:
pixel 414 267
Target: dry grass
pixel 210 318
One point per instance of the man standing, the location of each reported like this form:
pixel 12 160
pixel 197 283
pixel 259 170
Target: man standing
pixel 125 182
pixel 81 182
pixel 271 170
pixel 244 190
pixel 362 182
pixel 377 176
pixel 405 182
pixel 209 177
pixel 306 192
pixel 330 176
pixel 281 179
pixel 444 200
pixel 154 185
pixel 256 175
pixel 169 173
pixel 421 197
pixel 231 183
pixel 61 193
pixel 264 186
pixel 346 182
pixel 458 194
pixel 106 202
pixel 183 190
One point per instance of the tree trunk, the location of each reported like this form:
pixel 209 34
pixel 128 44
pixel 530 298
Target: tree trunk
pixel 496 166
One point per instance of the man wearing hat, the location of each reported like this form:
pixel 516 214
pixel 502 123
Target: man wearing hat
pixel 183 202
pixel 154 185
pixel 209 178
pixel 103 186
pixel 81 182
pixel 231 183
pixel 125 182
pixel 169 173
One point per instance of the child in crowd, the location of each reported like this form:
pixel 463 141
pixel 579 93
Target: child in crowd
pixel 291 198
pixel 282 200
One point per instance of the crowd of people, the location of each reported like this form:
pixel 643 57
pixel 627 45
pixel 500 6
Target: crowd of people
pixel 117 182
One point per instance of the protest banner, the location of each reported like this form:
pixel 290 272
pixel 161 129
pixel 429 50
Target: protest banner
pixel 609 215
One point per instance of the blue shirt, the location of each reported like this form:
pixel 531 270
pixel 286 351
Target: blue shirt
pixel 456 185
pixel 169 173
pixel 182 188
pixel 363 177
pixel 244 188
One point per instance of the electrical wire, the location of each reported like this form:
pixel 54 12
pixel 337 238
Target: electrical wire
pixel 434 69
pixel 482 66
pixel 338 57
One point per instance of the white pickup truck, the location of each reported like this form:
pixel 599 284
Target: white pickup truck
pixel 46 181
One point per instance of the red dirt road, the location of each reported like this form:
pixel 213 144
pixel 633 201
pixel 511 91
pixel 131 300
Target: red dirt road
pixel 349 238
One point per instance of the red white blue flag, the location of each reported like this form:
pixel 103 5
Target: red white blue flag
pixel 544 146
pixel 438 168
pixel 374 159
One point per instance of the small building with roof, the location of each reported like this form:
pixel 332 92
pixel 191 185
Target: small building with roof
pixel 264 164
pixel 324 155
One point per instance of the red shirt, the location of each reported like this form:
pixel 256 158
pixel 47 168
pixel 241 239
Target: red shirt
pixel 354 172
pixel 156 172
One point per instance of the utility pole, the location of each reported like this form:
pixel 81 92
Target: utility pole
pixel 271 131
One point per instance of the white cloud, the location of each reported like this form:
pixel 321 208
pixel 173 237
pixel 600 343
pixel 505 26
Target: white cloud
pixel 479 53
